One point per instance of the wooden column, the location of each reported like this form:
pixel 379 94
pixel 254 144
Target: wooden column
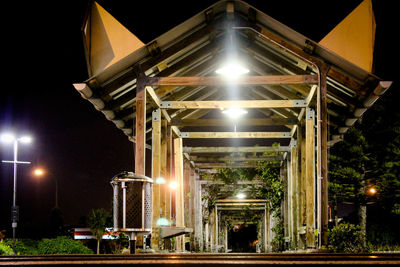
pixel 170 173
pixel 310 177
pixel 302 187
pixel 323 125
pixel 140 148
pixel 179 200
pixel 163 170
pixel 295 206
pixel 155 173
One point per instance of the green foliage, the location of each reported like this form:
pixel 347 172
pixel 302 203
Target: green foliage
pixel 346 237
pixel 97 221
pixel 62 245
pixel 5 249
pixel 278 241
pixel 23 246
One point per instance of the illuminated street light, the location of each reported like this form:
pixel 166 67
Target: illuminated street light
pixel 10 138
pixel 38 172
pixel 372 191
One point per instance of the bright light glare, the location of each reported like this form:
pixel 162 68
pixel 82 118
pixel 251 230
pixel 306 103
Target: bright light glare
pixel 38 172
pixel 372 191
pixel 232 70
pixel 240 195
pixel 234 113
pixel 25 139
pixel 160 180
pixel 7 138
pixel 162 222
pixel 173 185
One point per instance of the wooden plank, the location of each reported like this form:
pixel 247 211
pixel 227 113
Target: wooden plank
pixel 323 162
pixel 235 159
pixel 235 134
pixel 242 80
pixel 155 173
pixel 153 96
pixel 213 165
pixel 310 177
pixel 164 168
pixel 233 104
pixel 242 122
pixel 243 149
pixel 179 199
pixel 295 206
pixel 140 148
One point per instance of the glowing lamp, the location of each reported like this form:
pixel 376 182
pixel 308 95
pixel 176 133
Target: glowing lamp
pixel 232 70
pixel 160 180
pixel 241 196
pixel 234 113
pixel 38 172
pixel 25 139
pixel 162 222
pixel 173 185
pixel 372 191
pixel 7 138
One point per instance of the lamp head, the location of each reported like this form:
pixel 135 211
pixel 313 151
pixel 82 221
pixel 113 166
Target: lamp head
pixel 7 138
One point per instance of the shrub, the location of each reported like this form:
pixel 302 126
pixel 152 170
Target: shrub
pixel 62 245
pixel 23 246
pixel 5 249
pixel 346 237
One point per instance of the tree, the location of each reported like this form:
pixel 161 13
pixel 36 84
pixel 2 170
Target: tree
pixel 97 220
pixel 351 166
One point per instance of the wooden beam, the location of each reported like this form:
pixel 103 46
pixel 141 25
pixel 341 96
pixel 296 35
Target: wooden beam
pixel 155 173
pixel 242 149
pixel 235 159
pixel 310 177
pixel 233 104
pixel 242 122
pixel 179 199
pixel 140 148
pixel 213 165
pixel 153 96
pixel 235 134
pixel 243 80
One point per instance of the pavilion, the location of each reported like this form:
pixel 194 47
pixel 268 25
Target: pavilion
pixel 167 98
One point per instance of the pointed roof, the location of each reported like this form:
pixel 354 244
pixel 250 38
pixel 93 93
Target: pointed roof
pixel 197 46
pixel 354 37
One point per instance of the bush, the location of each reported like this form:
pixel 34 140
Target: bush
pixel 62 245
pixel 346 237
pixel 23 246
pixel 5 249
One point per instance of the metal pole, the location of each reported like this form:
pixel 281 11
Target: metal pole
pixel 14 219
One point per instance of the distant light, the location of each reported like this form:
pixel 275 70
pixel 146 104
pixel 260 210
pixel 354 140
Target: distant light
pixel 173 185
pixel 232 70
pixel 372 191
pixel 234 113
pixel 38 172
pixel 7 138
pixel 162 222
pixel 25 139
pixel 160 180
pixel 240 195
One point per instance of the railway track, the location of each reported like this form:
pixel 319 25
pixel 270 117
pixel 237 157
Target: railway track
pixel 215 260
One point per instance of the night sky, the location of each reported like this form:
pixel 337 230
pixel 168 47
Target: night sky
pixel 74 142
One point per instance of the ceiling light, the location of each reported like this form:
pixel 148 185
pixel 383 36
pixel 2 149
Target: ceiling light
pixel 234 113
pixel 241 196
pixel 232 70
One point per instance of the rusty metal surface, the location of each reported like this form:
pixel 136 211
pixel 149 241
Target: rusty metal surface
pixel 188 259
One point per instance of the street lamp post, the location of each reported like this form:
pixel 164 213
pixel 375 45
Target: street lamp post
pixel 9 138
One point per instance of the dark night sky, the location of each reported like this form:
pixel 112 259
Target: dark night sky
pixel 44 56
